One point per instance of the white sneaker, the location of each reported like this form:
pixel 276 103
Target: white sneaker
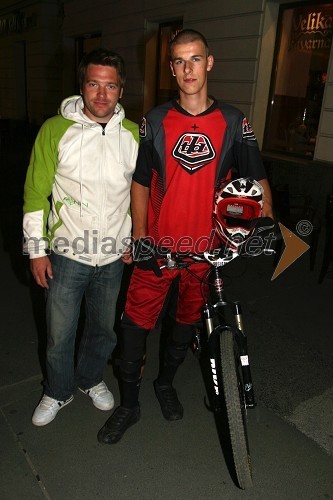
pixel 101 396
pixel 47 410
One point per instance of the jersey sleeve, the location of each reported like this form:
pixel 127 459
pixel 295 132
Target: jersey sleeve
pixel 144 163
pixel 248 159
pixel 240 156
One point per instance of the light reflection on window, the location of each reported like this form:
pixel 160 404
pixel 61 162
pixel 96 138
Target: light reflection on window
pixel 302 55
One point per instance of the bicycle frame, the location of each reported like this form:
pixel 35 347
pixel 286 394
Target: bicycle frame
pixel 214 318
pixel 228 355
pixel 227 345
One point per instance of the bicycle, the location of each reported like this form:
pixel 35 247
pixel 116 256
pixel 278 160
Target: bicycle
pixel 228 353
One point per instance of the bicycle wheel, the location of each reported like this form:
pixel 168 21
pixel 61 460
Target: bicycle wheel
pixel 236 411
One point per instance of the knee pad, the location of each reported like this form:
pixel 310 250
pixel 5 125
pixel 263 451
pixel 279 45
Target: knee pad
pixel 130 371
pixel 176 354
pixel 132 340
pixel 181 340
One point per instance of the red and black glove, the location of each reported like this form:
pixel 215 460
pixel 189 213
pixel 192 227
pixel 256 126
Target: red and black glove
pixel 144 256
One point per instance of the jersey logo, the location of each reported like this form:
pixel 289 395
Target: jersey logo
pixel 193 151
pixel 248 133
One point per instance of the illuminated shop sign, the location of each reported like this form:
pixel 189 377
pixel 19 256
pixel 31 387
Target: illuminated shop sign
pixel 312 29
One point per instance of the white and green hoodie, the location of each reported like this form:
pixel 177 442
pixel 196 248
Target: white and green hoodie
pixel 87 171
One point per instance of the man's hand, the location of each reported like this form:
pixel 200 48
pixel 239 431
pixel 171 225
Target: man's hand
pixel 144 256
pixel 127 257
pixel 267 209
pixel 41 269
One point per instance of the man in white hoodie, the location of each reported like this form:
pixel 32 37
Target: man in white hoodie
pixel 76 227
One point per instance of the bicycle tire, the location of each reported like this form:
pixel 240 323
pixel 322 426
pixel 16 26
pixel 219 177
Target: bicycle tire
pixel 236 410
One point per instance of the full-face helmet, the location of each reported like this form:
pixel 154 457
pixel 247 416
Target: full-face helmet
pixel 237 204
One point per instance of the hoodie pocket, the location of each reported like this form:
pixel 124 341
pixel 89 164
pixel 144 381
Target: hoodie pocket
pixel 74 231
pixel 117 236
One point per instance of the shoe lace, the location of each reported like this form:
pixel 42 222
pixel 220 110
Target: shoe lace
pixel 100 389
pixel 48 403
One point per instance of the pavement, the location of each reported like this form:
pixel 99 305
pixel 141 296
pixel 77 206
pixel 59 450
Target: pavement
pixel 290 430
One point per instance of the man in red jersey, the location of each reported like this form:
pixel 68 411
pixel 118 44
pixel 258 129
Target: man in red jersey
pixel 186 147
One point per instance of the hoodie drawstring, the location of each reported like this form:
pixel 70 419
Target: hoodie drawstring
pixel 80 171
pixel 119 144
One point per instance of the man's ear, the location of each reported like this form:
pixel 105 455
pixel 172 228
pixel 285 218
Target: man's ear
pixel 172 70
pixel 121 92
pixel 210 62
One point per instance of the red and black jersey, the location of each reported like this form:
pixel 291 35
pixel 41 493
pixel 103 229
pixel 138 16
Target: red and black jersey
pixel 181 158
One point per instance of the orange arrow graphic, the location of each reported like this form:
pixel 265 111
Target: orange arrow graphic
pixel 294 248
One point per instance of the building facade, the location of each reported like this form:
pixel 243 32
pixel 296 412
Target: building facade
pixel 41 42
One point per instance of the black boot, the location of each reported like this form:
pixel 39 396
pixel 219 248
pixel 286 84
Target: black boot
pixel 170 405
pixel 182 336
pixel 129 412
pixel 116 426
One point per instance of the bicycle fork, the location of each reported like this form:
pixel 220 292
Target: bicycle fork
pixel 209 315
pixel 244 356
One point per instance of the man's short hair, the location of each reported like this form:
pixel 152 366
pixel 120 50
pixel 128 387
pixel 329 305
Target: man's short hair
pixel 188 36
pixel 102 57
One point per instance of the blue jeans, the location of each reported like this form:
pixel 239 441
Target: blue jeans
pixel 100 287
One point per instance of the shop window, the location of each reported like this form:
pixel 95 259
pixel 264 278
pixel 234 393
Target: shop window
pixel 166 83
pixel 84 45
pixel 302 53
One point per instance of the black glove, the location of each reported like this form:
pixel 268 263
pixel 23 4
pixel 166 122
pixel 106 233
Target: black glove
pixel 265 224
pixel 263 227
pixel 144 256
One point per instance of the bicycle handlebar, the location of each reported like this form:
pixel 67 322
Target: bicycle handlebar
pixel 178 260
pixel 217 257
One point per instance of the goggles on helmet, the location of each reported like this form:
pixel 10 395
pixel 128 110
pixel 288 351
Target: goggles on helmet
pixel 237 205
